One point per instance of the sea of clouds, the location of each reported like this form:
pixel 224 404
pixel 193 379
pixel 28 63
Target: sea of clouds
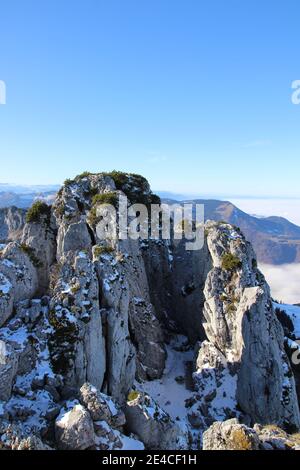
pixel 284 281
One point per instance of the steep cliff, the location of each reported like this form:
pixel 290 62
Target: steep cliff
pixel 76 309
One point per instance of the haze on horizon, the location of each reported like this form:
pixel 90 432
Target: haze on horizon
pixel 202 106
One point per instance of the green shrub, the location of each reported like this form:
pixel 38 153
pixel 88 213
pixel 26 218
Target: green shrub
pixel 31 255
pixel 133 395
pixel 62 342
pixel 102 250
pixel 85 174
pixel 105 198
pixel 38 211
pixel 68 182
pixel 135 186
pixel 230 262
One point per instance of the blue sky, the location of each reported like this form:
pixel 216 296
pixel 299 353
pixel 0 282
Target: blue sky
pixel 195 95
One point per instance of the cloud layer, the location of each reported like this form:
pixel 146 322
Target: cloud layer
pixel 284 281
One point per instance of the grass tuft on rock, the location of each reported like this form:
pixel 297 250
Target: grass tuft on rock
pixel 230 262
pixel 38 212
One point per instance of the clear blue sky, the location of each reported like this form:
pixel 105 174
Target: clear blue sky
pixel 195 95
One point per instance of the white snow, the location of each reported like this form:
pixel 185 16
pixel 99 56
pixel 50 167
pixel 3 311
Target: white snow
pixel 5 285
pixel 64 415
pixel 293 313
pixel 169 394
pixel 8 263
pixel 19 336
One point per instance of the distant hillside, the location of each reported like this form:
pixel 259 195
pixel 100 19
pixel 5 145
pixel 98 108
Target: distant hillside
pixel 275 239
pixel 24 196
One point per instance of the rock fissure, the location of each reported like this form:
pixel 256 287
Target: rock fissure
pixel 112 320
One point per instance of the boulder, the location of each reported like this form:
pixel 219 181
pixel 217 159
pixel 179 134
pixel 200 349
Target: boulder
pixel 74 429
pixel 8 369
pixel 100 406
pixel 154 427
pixel 230 435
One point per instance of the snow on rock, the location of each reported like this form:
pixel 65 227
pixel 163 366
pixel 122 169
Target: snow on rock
pixel 167 392
pixel 293 312
pixel 152 424
pixel 100 406
pixel 74 429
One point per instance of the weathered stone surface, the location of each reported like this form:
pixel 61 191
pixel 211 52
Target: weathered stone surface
pixel 8 369
pixel 112 309
pixel 17 266
pixel 240 323
pixel 230 435
pixel 125 296
pixel 12 221
pixel 73 237
pixel 100 406
pixel 6 298
pixel 74 429
pixel 273 438
pixel 152 425
pixel 266 386
pixel 41 238
pixel 77 345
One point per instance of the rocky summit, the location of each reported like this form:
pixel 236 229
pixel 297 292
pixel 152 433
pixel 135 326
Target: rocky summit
pixel 133 344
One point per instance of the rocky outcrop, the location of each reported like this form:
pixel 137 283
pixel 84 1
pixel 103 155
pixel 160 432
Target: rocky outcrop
pixel 8 370
pixel 84 320
pixel 101 407
pixel 18 278
pixel 245 336
pixel 231 435
pixel 153 425
pixel 134 339
pixel 39 239
pixel 12 221
pixel 77 345
pixel 74 429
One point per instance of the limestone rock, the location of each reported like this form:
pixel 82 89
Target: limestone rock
pixel 6 298
pixel 77 345
pixel 74 429
pixel 101 407
pixel 241 324
pixel 12 221
pixel 152 425
pixel 40 237
pixel 17 265
pixel 230 435
pixel 8 369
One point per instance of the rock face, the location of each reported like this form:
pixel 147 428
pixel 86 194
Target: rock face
pixel 39 237
pixel 134 339
pixel 77 346
pixel 84 321
pixel 245 335
pixel 74 429
pixel 12 221
pixel 152 425
pixel 230 435
pixel 8 370
pixel 101 407
pixel 18 278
